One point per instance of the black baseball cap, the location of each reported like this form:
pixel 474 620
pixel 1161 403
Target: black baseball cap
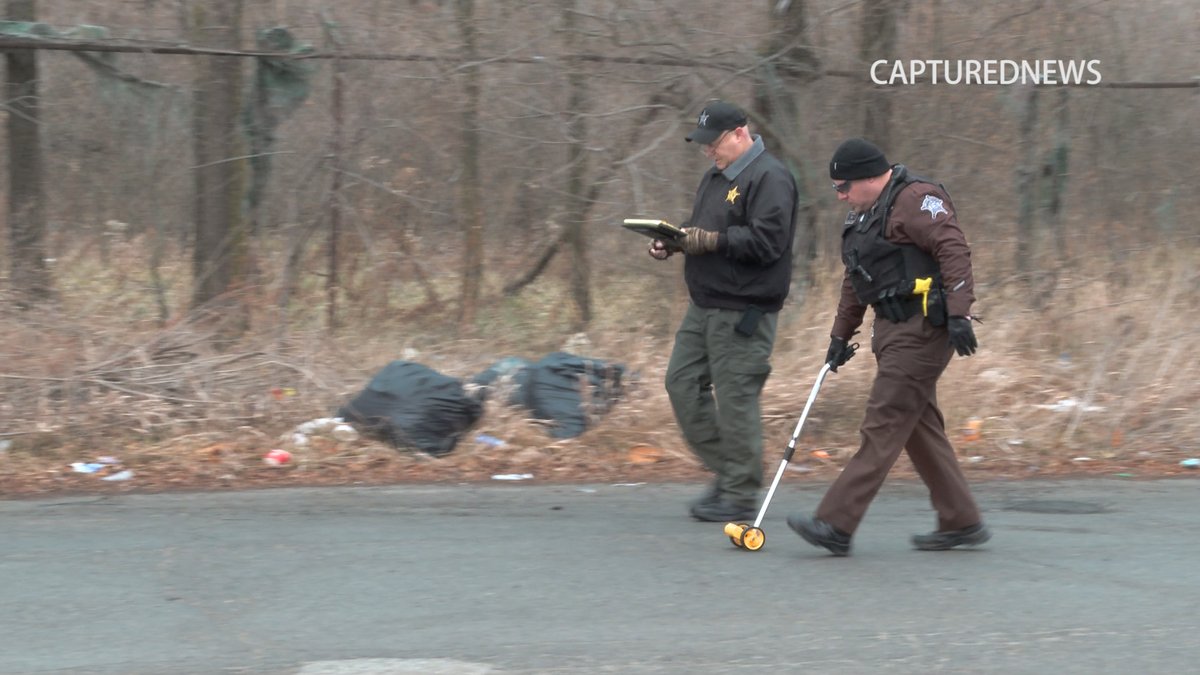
pixel 716 118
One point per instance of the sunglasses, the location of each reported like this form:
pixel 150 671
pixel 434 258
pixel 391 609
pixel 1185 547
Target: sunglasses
pixel 842 188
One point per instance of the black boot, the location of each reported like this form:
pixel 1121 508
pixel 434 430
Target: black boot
pixel 711 495
pixel 820 533
pixel 723 510
pixel 944 540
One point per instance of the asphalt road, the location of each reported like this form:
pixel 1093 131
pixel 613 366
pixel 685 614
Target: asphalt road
pixel 1094 576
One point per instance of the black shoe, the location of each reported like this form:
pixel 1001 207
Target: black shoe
pixel 948 539
pixel 721 510
pixel 820 533
pixel 711 495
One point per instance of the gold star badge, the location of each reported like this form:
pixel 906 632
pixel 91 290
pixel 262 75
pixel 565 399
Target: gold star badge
pixel 732 195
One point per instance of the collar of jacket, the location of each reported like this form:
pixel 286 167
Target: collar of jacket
pixel 737 166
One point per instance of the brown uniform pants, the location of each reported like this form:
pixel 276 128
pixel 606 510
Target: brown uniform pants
pixel 902 412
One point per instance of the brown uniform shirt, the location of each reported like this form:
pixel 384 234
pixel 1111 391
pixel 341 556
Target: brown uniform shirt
pixel 923 215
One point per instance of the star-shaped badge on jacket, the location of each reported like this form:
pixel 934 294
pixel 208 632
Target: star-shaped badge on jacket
pixel 934 206
pixel 732 195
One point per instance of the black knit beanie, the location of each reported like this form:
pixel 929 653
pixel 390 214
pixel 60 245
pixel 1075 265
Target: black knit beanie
pixel 857 158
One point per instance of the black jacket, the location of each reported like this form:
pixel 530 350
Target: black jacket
pixel 752 203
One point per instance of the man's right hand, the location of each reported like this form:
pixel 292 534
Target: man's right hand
pixel 839 353
pixel 660 251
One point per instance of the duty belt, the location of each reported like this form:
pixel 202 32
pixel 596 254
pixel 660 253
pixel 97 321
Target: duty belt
pixel 898 309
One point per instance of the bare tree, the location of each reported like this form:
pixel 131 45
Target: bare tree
pixel 26 194
pixel 788 66
pixel 877 40
pixel 1027 183
pixel 578 203
pixel 221 261
pixel 469 185
pixel 1055 170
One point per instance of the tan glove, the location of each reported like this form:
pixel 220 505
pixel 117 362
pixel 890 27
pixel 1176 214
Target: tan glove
pixel 699 241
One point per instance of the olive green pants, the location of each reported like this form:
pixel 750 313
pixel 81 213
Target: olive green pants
pixel 714 380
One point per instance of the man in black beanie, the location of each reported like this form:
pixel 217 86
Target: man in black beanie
pixel 906 258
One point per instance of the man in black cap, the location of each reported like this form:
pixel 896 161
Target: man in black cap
pixel 905 257
pixel 737 267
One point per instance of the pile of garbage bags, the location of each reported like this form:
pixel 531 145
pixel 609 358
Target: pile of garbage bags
pixel 411 405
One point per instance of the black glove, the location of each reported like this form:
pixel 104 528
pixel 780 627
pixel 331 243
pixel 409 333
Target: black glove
pixel 839 353
pixel 962 336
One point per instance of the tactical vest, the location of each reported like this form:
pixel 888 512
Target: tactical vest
pixel 878 268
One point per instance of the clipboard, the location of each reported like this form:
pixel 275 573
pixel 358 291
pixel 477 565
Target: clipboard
pixel 655 229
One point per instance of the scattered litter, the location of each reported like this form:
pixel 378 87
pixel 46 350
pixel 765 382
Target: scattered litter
pixel 1192 463
pixel 88 467
pixel 106 468
pixel 1063 405
pixel 973 430
pixel 820 454
pixel 1123 475
pixel 1016 441
pixel 645 454
pixel 344 432
pixel 490 440
pixel 331 427
pixel 1082 459
pixel 975 459
pixel 321 424
pixel 512 476
pixel 628 484
pixel 277 457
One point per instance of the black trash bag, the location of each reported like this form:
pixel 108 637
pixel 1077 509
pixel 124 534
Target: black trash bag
pixel 408 404
pixel 569 390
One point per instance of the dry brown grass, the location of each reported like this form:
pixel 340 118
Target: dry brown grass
pixel 97 375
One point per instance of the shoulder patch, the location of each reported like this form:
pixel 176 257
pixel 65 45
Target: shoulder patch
pixel 933 205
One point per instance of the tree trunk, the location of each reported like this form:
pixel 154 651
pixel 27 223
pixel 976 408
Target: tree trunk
pixel 332 283
pixel 1057 168
pixel 877 41
pixel 1027 184
pixel 578 206
pixel 221 260
pixel 29 277
pixel 777 108
pixel 472 217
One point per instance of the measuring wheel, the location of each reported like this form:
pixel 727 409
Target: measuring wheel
pixel 753 538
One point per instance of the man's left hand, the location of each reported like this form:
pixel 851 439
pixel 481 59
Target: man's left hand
pixel 698 241
pixel 962 336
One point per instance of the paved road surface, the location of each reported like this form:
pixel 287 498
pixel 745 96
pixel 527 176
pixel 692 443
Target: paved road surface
pixel 522 578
